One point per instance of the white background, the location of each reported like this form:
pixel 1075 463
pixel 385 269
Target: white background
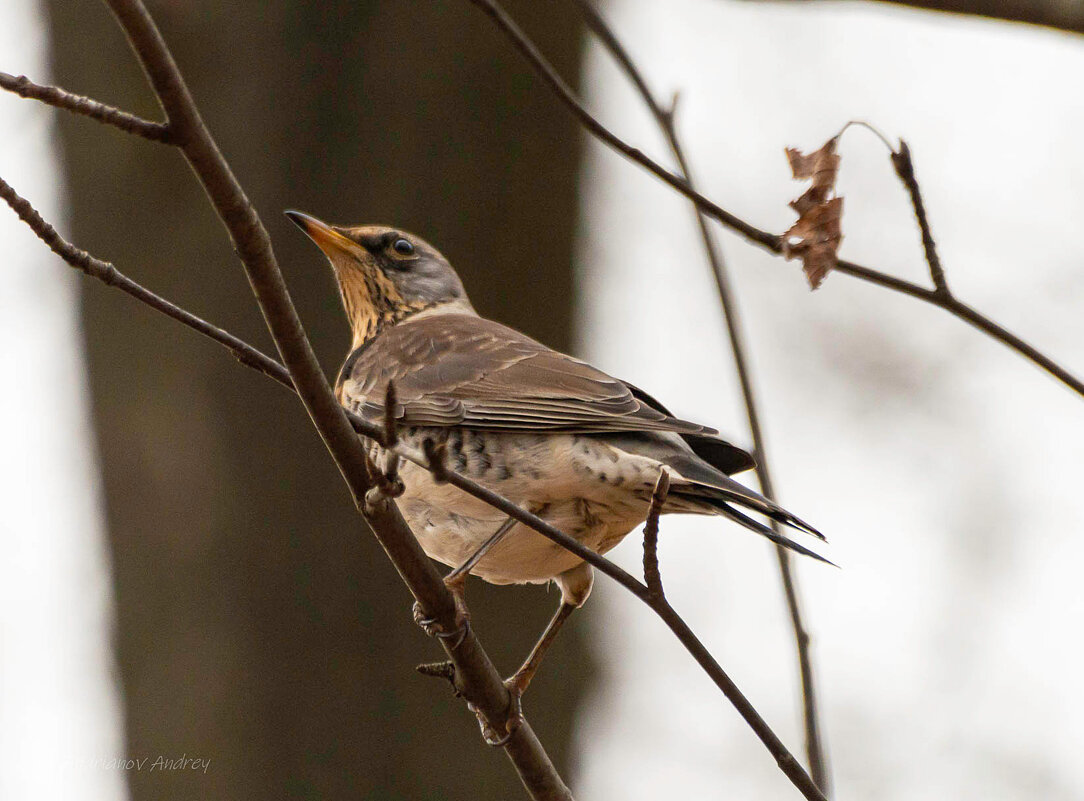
pixel 945 470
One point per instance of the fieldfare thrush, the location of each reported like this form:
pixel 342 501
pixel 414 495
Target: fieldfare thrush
pixel 573 445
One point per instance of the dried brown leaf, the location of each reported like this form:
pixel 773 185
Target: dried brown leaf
pixel 817 233
pixel 815 237
pixel 820 166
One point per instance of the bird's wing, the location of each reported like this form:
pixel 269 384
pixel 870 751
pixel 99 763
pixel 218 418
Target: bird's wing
pixel 462 370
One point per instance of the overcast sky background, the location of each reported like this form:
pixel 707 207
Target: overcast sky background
pixel 944 469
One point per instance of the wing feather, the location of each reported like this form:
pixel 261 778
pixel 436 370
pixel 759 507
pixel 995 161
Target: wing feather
pixel 463 370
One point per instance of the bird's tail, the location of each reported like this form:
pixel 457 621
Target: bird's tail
pixel 724 498
pixel 703 487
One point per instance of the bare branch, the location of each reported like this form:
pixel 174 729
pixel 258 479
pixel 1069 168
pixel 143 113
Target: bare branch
pixel 385 478
pixel 652 576
pixel 77 104
pixel 905 169
pixel 665 118
pixel 549 76
pixel 481 683
pixel 770 242
pixel 107 273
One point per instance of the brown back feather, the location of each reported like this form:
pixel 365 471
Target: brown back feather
pixel 463 370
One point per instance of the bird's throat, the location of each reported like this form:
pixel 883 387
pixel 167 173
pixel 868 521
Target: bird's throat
pixel 372 303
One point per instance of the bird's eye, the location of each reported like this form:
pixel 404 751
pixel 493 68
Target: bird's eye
pixel 403 247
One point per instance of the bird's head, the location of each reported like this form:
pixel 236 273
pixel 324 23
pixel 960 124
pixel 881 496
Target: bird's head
pixel 384 274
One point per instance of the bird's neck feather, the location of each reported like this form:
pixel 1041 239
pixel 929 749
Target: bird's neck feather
pixel 372 303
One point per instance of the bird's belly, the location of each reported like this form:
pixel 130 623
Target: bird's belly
pixel 587 489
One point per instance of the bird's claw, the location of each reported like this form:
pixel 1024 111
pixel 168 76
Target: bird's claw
pixel 434 628
pixel 390 485
pixel 428 624
pixel 511 723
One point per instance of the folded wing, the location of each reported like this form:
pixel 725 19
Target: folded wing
pixel 462 370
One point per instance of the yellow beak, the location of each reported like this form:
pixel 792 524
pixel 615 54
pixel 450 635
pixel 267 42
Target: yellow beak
pixel 326 238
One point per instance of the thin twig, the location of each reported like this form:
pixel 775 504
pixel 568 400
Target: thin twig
pixel 873 129
pixel 768 241
pixel 388 526
pixel 553 80
pixel 391 421
pixel 436 459
pixel 652 576
pixel 905 169
pixel 459 574
pixel 85 106
pixel 665 118
pixel 107 273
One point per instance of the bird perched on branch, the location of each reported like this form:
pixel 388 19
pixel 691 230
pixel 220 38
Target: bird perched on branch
pixel 578 448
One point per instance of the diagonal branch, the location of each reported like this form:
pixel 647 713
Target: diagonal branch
pixel 104 271
pixel 481 683
pixel 549 76
pixel 664 117
pixel 85 106
pixel 388 525
pixel 768 241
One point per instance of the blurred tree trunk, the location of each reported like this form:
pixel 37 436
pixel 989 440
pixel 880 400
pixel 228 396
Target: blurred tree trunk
pixel 260 625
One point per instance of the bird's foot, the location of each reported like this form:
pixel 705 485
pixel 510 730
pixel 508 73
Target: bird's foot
pixel 515 718
pixel 389 484
pixel 434 628
pixel 457 586
pixel 428 624
pixel 385 480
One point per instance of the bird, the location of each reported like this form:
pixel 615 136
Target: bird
pixel 560 438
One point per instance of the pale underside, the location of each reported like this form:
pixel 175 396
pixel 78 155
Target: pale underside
pixel 583 485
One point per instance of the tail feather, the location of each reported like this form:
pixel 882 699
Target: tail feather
pixel 724 501
pixel 704 486
pixel 700 479
pixel 727 489
pixel 751 524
